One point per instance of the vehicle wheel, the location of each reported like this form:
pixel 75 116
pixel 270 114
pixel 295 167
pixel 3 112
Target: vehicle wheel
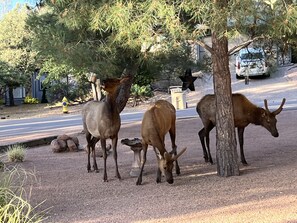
pixel 267 75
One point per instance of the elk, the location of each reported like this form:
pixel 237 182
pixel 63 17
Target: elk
pixel 101 121
pixel 244 112
pixel 159 119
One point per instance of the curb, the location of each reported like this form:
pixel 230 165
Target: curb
pixel 30 143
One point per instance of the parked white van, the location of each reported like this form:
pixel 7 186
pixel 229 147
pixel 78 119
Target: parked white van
pixel 251 62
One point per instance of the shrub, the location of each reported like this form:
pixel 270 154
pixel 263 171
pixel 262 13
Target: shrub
pixel 139 93
pixel 30 100
pixel 16 153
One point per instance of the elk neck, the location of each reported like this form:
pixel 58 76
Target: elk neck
pixel 256 115
pixel 111 101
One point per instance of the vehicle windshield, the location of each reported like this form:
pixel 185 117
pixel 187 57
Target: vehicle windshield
pixel 250 56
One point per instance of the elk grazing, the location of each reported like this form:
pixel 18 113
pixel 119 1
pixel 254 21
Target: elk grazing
pixel 157 121
pixel 101 121
pixel 244 113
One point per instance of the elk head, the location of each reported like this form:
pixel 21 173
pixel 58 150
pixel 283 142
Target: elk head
pixel 111 84
pixel 268 119
pixel 166 164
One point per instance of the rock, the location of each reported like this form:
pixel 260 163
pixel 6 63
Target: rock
pixel 55 146
pixel 63 137
pixel 75 140
pixel 71 146
pixel 63 145
pixel 98 150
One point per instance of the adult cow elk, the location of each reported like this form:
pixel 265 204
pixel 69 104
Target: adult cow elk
pixel 101 121
pixel 159 119
pixel 245 113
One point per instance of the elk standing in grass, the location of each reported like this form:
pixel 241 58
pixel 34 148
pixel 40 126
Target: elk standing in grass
pixel 157 121
pixel 101 121
pixel 244 113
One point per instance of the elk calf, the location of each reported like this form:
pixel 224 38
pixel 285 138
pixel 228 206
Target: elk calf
pixel 157 121
pixel 244 113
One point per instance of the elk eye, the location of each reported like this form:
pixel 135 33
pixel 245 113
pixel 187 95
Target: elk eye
pixel 268 120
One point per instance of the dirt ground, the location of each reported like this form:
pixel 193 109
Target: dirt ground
pixel 266 190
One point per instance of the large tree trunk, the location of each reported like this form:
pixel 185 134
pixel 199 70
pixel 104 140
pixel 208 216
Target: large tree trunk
pixel 226 153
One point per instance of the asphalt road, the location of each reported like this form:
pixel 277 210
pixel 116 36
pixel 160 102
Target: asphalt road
pixel 274 89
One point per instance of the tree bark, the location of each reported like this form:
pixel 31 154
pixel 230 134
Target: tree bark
pixel 226 153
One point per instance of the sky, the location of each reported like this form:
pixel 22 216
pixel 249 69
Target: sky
pixel 7 5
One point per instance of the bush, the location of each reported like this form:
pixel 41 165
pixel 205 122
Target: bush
pixel 139 93
pixel 13 206
pixel 30 100
pixel 16 153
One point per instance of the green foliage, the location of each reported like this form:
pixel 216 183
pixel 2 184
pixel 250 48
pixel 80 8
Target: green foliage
pixel 16 153
pixel 31 100
pixel 17 57
pixel 139 93
pixel 73 89
pixel 14 206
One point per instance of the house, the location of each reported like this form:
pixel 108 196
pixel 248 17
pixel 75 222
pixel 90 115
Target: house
pixel 37 90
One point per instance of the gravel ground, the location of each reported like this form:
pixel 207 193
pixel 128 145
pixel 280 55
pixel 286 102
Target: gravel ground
pixel 266 190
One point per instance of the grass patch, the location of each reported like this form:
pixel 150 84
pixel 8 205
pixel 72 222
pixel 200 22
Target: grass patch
pixel 14 205
pixel 16 153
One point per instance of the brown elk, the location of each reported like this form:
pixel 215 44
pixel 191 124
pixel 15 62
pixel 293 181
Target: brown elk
pixel 245 113
pixel 101 121
pixel 159 119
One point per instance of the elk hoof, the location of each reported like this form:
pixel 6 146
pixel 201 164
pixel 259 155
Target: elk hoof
pixel 245 163
pixel 138 182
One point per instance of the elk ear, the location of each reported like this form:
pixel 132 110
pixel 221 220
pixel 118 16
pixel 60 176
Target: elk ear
pixel 263 114
pixel 179 154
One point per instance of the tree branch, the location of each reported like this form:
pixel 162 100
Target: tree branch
pixel 243 45
pixel 201 43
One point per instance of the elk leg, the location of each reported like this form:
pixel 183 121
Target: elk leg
pixel 240 132
pixel 115 156
pixel 207 131
pixel 103 146
pixel 159 176
pixel 88 138
pixel 93 144
pixel 201 134
pixel 208 150
pixel 143 160
pixel 172 137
